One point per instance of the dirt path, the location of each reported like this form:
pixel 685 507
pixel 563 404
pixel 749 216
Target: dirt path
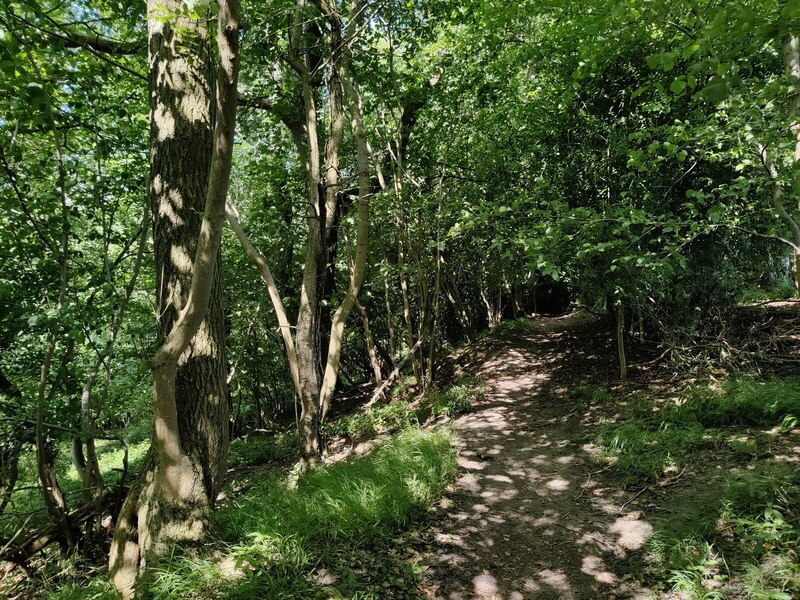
pixel 527 517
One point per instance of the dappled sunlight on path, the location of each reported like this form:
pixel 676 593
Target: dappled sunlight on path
pixel 523 519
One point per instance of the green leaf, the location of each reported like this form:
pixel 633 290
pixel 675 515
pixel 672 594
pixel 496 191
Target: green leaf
pixel 715 213
pixel 678 86
pixel 716 90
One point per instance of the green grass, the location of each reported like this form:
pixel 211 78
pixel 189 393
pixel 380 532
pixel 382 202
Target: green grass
pixel 743 402
pixel 379 419
pixel 399 414
pixel 653 439
pixel 743 529
pixel 348 520
pixel 591 393
pixel 258 449
pixel 343 518
pixel 456 400
pixel 782 290
pixel 737 534
pixel 508 326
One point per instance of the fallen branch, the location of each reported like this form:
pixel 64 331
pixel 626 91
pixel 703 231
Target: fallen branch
pixel 19 553
pixel 634 497
pixel 378 393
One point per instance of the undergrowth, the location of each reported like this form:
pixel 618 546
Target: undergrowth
pixel 736 535
pixel 258 449
pixel 27 499
pixel 336 534
pixel 655 439
pixel 331 537
pixel 781 290
pixel 455 400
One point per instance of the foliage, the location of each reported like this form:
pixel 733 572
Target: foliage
pixel 739 530
pixel 340 519
pixel 749 526
pixel 379 419
pixel 654 440
pixel 613 146
pixel 28 499
pixel 455 400
pixel 783 290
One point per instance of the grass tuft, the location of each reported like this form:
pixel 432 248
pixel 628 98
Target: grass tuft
pixel 654 440
pixel 737 535
pixel 259 449
pixel 365 424
pixel 341 521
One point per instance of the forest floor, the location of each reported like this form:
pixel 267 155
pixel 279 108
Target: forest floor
pixel 569 484
pixel 535 512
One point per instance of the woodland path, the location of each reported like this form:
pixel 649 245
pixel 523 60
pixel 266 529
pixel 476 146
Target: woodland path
pixel 529 515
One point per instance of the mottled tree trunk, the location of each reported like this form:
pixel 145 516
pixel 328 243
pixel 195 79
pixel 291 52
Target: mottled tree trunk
pixel 181 92
pixel 190 171
pixel 307 341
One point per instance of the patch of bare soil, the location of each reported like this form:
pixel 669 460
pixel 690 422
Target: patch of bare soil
pixel 530 515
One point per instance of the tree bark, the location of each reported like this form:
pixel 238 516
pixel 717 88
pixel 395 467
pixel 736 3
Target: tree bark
pixel 792 60
pixel 389 314
pixel 308 314
pixel 362 248
pixel 172 499
pixel 623 365
pixel 181 93
pixel 374 362
pixel 783 212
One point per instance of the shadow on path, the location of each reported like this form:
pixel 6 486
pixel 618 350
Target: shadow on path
pixel 526 517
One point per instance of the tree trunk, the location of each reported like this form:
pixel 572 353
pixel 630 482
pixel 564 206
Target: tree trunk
pixel 430 374
pixel 333 362
pixel 181 92
pixel 375 364
pixel 389 316
pixel 171 501
pixel 792 60
pixel 623 365
pixel 493 312
pixel 272 289
pixel 454 296
pixel 308 316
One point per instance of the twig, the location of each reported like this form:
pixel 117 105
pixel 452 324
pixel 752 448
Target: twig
pixel 634 497
pixel 589 480
pixel 661 484
pixel 655 360
pixel 378 393
pixel 15 536
pixel 672 481
pixel 579 532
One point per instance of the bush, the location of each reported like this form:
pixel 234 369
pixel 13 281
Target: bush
pixel 379 419
pixel 456 400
